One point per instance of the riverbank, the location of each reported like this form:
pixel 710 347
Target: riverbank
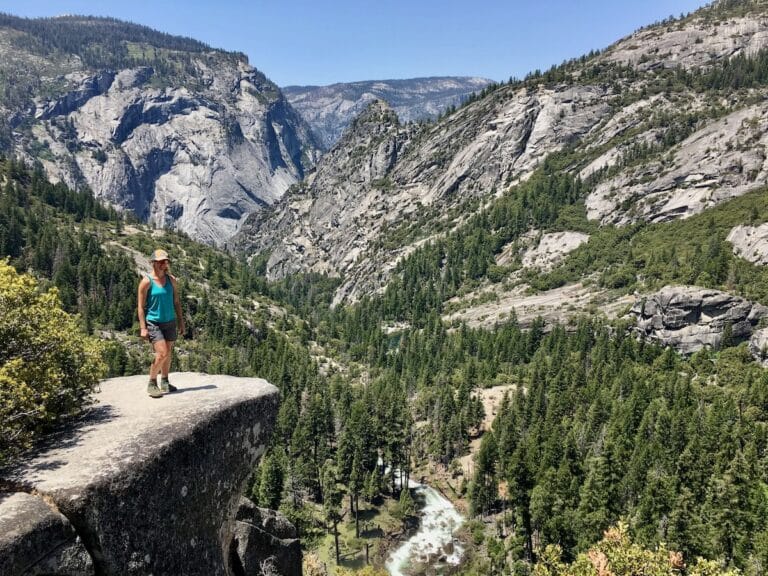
pixel 406 547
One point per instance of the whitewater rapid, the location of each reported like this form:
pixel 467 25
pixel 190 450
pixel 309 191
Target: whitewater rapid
pixel 434 539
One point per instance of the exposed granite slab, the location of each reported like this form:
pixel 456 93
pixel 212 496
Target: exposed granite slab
pixel 153 485
pixel 690 318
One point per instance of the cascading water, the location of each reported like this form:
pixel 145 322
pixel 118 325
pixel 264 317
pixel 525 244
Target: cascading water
pixel 434 543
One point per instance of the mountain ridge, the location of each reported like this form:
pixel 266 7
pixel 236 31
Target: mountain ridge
pixel 627 112
pixel 330 109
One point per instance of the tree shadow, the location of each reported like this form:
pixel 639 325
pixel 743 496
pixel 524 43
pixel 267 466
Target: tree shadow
pixel 367 514
pixel 67 435
pixel 373 532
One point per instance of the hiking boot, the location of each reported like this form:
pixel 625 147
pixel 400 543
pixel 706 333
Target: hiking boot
pixel 153 390
pixel 166 387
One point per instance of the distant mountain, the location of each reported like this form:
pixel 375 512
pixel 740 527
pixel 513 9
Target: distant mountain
pixel 668 125
pixel 330 109
pixel 185 136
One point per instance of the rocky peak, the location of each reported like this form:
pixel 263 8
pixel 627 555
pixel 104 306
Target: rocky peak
pixel 377 117
pixel 298 230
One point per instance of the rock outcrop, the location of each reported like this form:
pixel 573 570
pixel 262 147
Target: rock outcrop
pixel 265 538
pixel 689 318
pixel 142 485
pixel 712 165
pixel 750 243
pixel 545 251
pixel 36 539
pixel 758 346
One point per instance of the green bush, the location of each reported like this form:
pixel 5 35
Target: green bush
pixel 616 554
pixel 48 368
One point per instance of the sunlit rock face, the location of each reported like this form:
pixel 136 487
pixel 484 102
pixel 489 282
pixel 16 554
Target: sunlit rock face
pixel 646 154
pixel 750 243
pixel 690 318
pixel 383 175
pixel 195 142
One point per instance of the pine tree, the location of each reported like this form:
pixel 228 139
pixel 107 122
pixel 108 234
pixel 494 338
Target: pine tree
pixel 270 485
pixel 484 488
pixel 332 497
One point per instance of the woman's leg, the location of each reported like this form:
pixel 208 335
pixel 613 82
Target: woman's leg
pixel 162 359
pixel 166 367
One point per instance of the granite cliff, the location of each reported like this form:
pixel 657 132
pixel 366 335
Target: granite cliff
pixel 184 136
pixel 691 318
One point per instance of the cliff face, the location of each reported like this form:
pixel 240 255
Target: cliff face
pixel 333 222
pixel 143 486
pixel 195 140
pixel 690 318
pixel 329 219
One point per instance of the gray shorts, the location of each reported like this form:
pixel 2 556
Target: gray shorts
pixel 162 331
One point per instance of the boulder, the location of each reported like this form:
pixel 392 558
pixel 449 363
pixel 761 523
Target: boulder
pixel 758 346
pixel 690 318
pixel 35 539
pixel 152 486
pixel 266 542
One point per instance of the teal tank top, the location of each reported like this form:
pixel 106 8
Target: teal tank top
pixel 160 302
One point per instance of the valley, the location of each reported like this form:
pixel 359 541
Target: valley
pixel 549 303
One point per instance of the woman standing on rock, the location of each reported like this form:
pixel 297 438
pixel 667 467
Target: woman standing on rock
pixel 160 317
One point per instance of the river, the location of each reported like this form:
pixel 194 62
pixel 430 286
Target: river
pixel 434 541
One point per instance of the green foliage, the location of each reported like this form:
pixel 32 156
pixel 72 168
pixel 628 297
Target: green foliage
pixel 609 427
pixel 442 268
pixel 600 426
pixel 691 251
pixel 616 554
pixel 43 228
pixel 477 531
pixel 48 368
pixel 268 491
pixel 366 571
pixel 405 506
pixel 484 489
pixel 49 48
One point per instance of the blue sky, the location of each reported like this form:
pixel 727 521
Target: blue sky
pixel 316 42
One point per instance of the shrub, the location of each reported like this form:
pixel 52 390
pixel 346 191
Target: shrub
pixel 617 555
pixel 48 367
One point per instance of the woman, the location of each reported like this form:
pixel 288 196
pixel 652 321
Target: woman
pixel 160 317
